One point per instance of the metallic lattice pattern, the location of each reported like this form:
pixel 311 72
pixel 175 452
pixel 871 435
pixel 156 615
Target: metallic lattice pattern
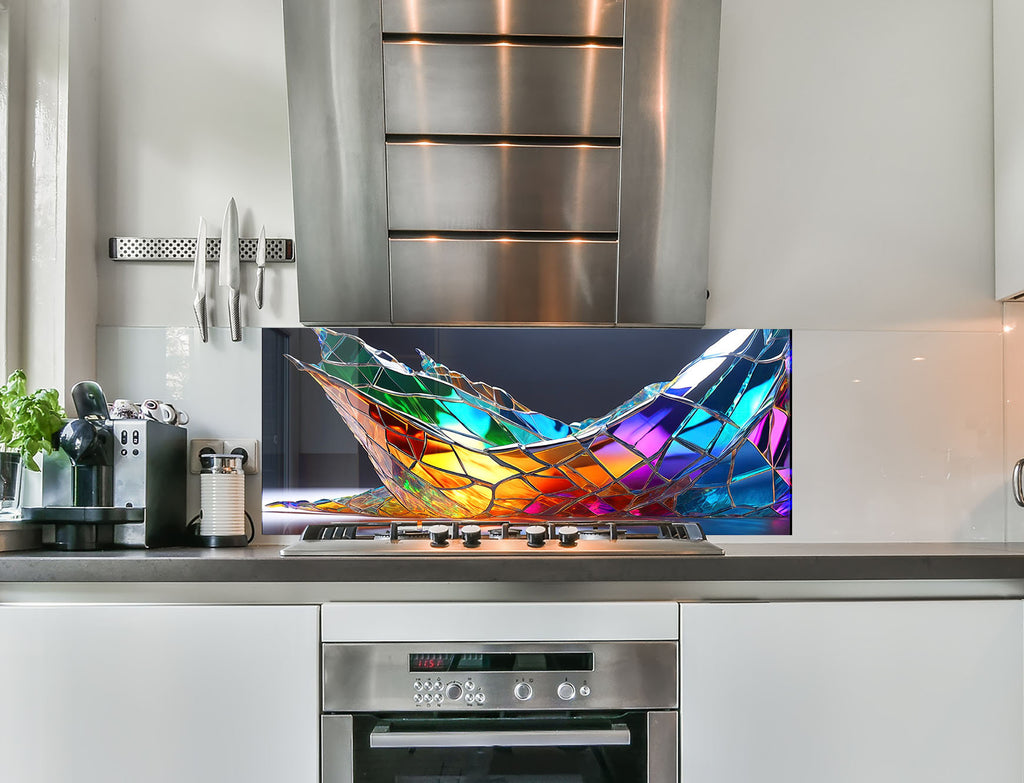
pixel 712 442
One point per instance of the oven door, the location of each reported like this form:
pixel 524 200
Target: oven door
pixel 630 747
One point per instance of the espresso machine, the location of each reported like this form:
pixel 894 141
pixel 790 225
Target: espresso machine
pixel 112 483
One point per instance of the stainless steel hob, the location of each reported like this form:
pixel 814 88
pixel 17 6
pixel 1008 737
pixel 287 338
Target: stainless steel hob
pixel 565 538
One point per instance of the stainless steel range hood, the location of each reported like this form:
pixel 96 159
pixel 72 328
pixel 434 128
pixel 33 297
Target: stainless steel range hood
pixel 502 162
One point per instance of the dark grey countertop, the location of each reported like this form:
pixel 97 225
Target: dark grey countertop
pixel 741 563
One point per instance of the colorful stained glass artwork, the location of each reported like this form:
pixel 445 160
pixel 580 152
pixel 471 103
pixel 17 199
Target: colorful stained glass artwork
pixel 712 442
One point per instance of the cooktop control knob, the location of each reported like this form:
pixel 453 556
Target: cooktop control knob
pixel 535 535
pixel 566 691
pixel 568 535
pixel 438 535
pixel 522 691
pixel 471 535
pixel 453 691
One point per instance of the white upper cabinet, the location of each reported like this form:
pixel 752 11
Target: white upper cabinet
pixel 1008 134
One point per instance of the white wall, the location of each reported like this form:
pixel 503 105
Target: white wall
pixel 852 201
pixel 194 112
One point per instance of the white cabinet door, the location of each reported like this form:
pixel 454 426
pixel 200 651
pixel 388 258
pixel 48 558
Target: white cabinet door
pixel 878 692
pixel 159 694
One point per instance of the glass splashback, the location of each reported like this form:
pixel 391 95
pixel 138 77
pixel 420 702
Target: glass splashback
pixel 546 422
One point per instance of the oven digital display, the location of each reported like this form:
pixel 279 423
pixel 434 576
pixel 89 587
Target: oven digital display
pixel 502 662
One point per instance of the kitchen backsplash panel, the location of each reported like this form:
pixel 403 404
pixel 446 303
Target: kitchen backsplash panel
pixel 711 440
pixel 897 436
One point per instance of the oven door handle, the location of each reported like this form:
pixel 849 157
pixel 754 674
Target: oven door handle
pixel 382 737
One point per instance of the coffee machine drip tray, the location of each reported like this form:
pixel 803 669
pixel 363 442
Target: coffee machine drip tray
pixel 76 515
pixel 83 527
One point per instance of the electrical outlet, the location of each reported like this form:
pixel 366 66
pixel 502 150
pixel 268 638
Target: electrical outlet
pixel 199 445
pixel 250 450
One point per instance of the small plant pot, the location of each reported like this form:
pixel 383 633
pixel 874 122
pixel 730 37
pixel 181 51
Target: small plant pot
pixel 11 469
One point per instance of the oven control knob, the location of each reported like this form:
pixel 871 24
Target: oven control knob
pixel 522 691
pixel 470 535
pixel 568 535
pixel 535 535
pixel 438 535
pixel 566 691
pixel 453 691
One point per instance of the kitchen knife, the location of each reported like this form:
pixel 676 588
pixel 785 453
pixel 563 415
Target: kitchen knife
pixel 261 262
pixel 229 275
pixel 199 281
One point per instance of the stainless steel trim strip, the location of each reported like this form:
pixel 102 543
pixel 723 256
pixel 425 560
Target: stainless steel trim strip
pixel 495 187
pixel 336 120
pixel 523 17
pixel 336 747
pixel 492 281
pixel 663 747
pixel 383 737
pixel 502 89
pixel 670 82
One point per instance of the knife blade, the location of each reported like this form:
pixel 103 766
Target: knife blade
pixel 199 282
pixel 261 262
pixel 229 274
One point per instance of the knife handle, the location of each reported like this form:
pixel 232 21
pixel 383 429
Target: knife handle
pixel 199 306
pixel 234 318
pixel 258 294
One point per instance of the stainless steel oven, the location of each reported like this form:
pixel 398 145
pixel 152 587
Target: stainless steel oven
pixel 518 712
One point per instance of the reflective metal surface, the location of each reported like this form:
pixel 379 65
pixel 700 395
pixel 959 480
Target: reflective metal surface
pixel 1016 484
pixel 517 281
pixel 593 18
pixel 376 678
pixel 662 747
pixel 554 88
pixel 336 121
pixel 336 746
pixel 502 187
pixel 502 89
pixel 509 548
pixel 668 130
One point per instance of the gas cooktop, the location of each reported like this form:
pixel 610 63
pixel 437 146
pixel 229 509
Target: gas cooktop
pixel 565 537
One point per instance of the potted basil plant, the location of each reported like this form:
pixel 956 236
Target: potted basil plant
pixel 28 422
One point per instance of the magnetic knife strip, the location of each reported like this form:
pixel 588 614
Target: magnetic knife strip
pixel 279 251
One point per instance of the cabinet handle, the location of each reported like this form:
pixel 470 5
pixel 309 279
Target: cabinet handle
pixel 382 737
pixel 1018 489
